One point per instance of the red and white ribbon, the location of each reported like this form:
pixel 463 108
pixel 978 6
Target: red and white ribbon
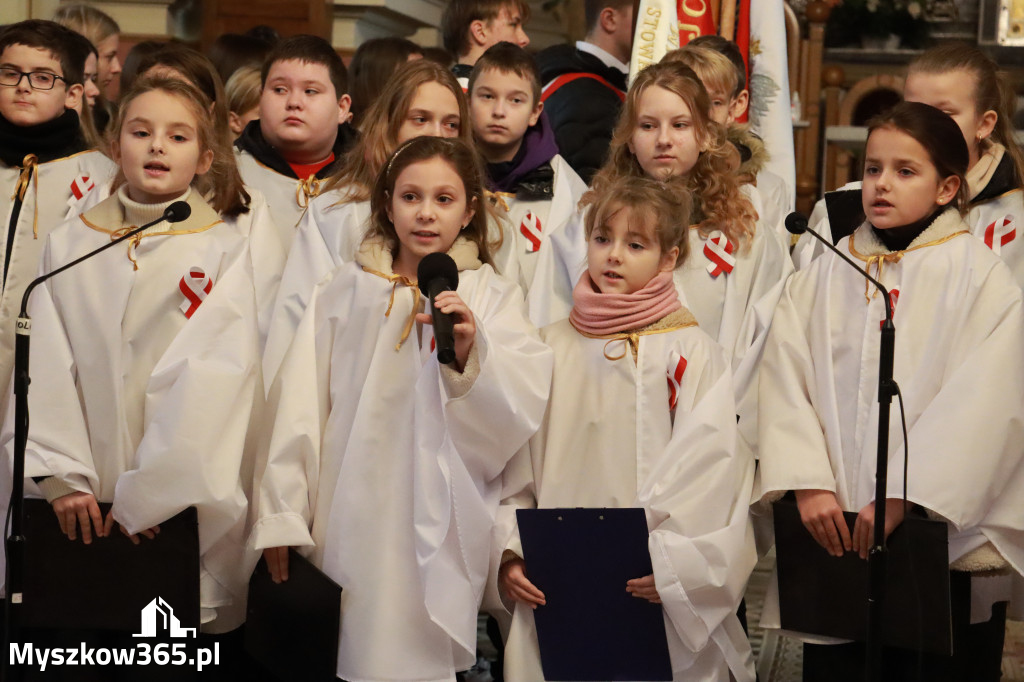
pixel 80 186
pixel 718 249
pixel 894 295
pixel 1000 233
pixel 676 367
pixel 194 286
pixel 530 227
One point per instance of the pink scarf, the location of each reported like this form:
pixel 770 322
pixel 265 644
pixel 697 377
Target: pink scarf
pixel 597 313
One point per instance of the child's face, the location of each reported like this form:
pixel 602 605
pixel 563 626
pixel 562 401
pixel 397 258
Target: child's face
pixel 665 139
pixel 901 184
pixel 507 27
pixel 109 65
pixel 721 108
pixel 952 92
pixel 502 109
pixel 158 148
pixel 428 208
pixel 300 111
pixel 433 111
pixel 91 76
pixel 22 104
pixel 622 257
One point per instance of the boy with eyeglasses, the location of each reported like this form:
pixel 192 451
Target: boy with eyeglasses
pixel 46 169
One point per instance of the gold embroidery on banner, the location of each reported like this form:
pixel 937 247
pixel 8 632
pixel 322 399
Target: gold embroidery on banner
pixel 890 257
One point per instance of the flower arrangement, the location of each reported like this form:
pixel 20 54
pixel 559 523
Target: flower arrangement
pixel 853 20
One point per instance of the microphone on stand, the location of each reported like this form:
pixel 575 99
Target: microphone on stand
pixel 175 213
pixel 796 223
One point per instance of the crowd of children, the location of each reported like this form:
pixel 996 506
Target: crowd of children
pixel 641 339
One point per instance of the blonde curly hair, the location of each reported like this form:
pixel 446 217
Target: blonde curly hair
pixel 718 203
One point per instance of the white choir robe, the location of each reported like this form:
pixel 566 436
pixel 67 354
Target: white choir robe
pixel 609 439
pixel 137 404
pixel 287 197
pixel 63 185
pixel 998 222
pixel 388 479
pixel 265 250
pixel 328 235
pixel 532 222
pixel 778 202
pixel 735 308
pixel 958 361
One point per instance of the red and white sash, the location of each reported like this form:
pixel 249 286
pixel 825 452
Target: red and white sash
pixel 1000 233
pixel 195 285
pixel 718 249
pixel 531 229
pixel 676 368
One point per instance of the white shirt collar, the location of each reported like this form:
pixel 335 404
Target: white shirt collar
pixel 606 57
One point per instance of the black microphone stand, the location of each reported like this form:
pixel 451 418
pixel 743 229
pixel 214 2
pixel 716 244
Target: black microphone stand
pixel 878 555
pixel 15 578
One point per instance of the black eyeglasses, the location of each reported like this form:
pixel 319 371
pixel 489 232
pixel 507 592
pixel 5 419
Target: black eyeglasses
pixel 39 80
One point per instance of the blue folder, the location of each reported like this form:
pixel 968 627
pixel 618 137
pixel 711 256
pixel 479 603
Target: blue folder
pixel 591 628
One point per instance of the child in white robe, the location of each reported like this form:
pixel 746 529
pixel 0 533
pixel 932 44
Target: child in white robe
pixel 421 98
pixel 384 465
pixel 959 334
pixel 734 276
pixel 641 414
pixel 145 358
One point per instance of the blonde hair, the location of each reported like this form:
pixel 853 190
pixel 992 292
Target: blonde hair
pixel 714 69
pixel 243 89
pixel 993 90
pixel 92 23
pixel 665 206
pixel 718 202
pixel 463 159
pixel 221 185
pixel 383 120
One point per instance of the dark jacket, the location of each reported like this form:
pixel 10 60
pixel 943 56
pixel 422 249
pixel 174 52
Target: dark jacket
pixel 251 140
pixel 583 111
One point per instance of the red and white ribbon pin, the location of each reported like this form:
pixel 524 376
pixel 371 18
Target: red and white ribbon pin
pixel 194 286
pixel 1000 233
pixel 718 250
pixel 80 186
pixel 894 295
pixel 530 227
pixel 676 367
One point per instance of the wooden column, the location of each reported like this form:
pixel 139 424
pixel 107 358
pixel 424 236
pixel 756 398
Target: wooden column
pixel 289 18
pixel 808 139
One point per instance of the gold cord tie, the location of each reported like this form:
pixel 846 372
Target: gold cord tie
pixel 414 287
pixel 870 291
pixel 307 190
pixel 631 342
pixel 29 173
pixel 498 200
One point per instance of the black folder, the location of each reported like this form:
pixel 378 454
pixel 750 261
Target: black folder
pixel 106 585
pixel 292 628
pixel 825 595
pixel 845 212
pixel 591 628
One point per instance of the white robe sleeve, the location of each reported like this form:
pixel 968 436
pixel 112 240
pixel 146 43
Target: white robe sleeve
pixel 696 498
pixel 559 266
pixel 295 421
pixel 462 446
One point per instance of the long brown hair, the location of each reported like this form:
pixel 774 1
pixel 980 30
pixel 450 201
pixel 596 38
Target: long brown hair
pixel 464 161
pixel 718 202
pixel 384 119
pixel 992 90
pixel 222 190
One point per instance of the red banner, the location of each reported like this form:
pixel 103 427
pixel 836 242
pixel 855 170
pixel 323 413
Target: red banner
pixel 695 19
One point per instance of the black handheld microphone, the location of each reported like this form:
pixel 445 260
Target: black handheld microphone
pixel 175 213
pixel 437 272
pixel 796 223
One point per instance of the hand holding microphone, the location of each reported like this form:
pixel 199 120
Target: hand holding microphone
pixel 454 325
